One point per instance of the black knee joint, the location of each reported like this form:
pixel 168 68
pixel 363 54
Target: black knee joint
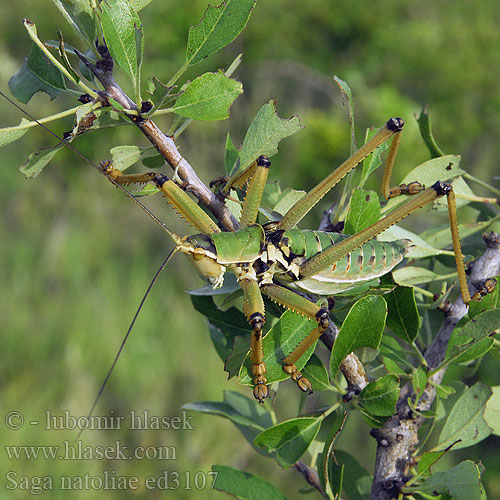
pixel 322 317
pixel 257 321
pixel 263 161
pixel 441 188
pixel 395 124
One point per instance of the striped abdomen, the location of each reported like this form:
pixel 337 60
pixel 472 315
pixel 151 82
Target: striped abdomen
pixel 371 260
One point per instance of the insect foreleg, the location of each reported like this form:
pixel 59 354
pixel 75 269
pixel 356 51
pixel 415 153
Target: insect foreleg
pixel 296 303
pixel 175 195
pixel 254 193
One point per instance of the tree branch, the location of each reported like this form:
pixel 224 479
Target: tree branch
pixel 397 438
pixel 165 145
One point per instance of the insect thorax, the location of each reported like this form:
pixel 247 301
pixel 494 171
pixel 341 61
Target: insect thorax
pixel 270 256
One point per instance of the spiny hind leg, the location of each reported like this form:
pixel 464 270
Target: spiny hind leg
pixel 301 305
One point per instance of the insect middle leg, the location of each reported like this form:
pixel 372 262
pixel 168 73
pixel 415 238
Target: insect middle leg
pixel 291 300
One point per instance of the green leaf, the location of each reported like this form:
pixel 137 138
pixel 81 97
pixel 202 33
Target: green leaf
pixel 238 408
pixel 466 419
pixel 393 355
pixel 121 25
pixel 492 411
pixel 443 168
pixel 80 15
pixel 287 198
pixel 419 381
pixel 326 459
pixel 11 134
pixel 231 322
pixel 231 157
pixel 125 156
pixel 462 482
pixel 424 124
pixel 379 398
pixel 289 440
pixel 265 132
pixel 39 160
pixel 208 97
pixel 347 96
pixel 316 373
pixel 138 5
pixel 443 391
pixel 364 210
pixel 402 316
pixel 217 28
pixel 280 341
pixel 427 460
pixel 243 485
pixel 38 74
pixel 362 327
pixel 373 160
pixel 412 275
pixel 462 349
pixel 357 480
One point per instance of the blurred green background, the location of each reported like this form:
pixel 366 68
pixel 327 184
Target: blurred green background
pixel 76 256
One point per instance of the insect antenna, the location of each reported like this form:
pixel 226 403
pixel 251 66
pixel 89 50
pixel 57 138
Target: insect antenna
pixel 89 161
pixel 139 204
pixel 129 330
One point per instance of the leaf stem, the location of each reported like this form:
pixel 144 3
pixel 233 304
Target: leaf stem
pixel 47 119
pixel 420 356
pixel 31 29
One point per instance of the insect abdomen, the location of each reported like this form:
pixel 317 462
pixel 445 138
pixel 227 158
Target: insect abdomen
pixel 372 260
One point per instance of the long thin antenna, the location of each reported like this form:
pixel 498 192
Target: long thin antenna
pixel 81 155
pixel 124 341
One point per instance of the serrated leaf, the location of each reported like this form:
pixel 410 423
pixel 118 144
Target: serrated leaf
pixel 289 440
pixel 11 134
pixel 492 411
pixel 38 74
pixel 265 132
pixel 80 15
pixel 466 420
pixel 364 210
pixel 219 26
pixel 379 398
pixel 402 316
pixel 462 482
pixel 280 341
pixel 120 24
pixel 243 485
pixel 208 97
pixel 362 327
